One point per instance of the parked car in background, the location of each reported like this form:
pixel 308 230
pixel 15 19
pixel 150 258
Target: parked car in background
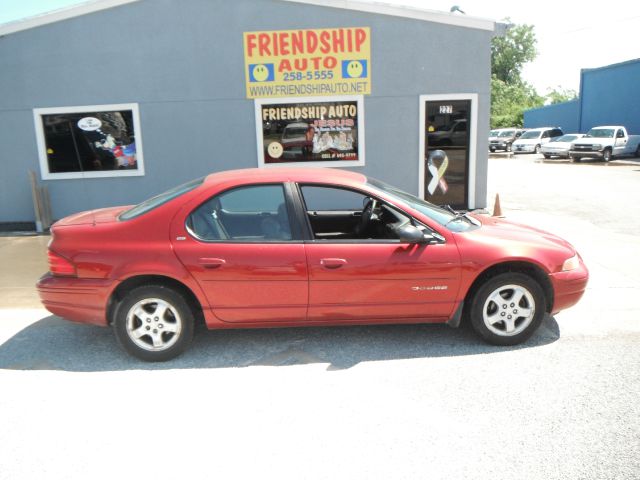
pixel 503 139
pixel 606 142
pixel 453 134
pixel 560 146
pixel 532 140
pixel 298 247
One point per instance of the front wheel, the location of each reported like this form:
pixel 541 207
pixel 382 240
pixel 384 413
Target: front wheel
pixel 538 149
pixel 508 147
pixel 153 323
pixel 507 309
pixel 606 155
pixel 546 155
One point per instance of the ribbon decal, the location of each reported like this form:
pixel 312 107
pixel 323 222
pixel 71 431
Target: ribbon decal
pixel 437 173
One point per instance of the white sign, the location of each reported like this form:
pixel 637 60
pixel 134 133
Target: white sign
pixel 89 124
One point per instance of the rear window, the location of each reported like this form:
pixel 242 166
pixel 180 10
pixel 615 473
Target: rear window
pixel 155 202
pixel 531 134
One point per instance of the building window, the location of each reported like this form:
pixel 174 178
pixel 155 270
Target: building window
pixel 310 131
pixel 89 142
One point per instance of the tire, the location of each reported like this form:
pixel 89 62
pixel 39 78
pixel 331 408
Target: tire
pixel 606 155
pixel 513 321
pixel 151 337
pixel 492 150
pixel 574 158
pixel 538 149
pixel 546 155
pixel 508 149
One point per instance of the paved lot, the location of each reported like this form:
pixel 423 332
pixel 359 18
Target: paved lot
pixel 357 402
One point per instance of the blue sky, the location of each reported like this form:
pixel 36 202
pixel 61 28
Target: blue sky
pixel 11 10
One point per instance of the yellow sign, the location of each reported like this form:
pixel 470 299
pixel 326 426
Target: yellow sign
pixel 324 61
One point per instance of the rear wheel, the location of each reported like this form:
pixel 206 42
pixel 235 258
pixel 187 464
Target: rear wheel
pixel 606 155
pixel 153 323
pixel 507 308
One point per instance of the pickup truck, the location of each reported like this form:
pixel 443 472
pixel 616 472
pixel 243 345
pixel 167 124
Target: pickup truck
pixel 606 143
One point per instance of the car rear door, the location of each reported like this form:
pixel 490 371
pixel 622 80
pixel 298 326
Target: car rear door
pixel 244 249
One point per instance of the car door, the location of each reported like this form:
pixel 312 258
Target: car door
pixel 620 142
pixel 376 278
pixel 243 248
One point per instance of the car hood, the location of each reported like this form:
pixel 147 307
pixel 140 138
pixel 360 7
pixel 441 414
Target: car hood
pixel 517 236
pixel 557 145
pixel 101 215
pixel 526 141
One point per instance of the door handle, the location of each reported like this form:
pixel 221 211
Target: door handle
pixel 333 263
pixel 211 262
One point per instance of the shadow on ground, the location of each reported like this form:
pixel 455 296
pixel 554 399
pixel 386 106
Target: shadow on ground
pixel 55 344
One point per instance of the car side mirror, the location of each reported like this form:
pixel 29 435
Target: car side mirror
pixel 411 234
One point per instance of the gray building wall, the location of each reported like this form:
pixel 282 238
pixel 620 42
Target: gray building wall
pixel 182 62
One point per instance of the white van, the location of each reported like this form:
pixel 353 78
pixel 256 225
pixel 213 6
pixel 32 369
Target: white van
pixel 532 140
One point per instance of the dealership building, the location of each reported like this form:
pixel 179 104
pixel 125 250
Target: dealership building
pixel 608 95
pixel 113 101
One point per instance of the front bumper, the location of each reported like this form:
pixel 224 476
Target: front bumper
pixel 568 287
pixel 586 154
pixel 523 148
pixel 76 299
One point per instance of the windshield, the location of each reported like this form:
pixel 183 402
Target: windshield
pixel 442 216
pixel 494 133
pixel 506 133
pixel 530 134
pixel 155 202
pixel 565 138
pixel 295 132
pixel 600 133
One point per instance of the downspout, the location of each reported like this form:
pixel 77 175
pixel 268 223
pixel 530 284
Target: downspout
pixel 580 100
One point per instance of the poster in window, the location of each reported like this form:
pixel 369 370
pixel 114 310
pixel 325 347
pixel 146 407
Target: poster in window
pixel 310 132
pixel 92 141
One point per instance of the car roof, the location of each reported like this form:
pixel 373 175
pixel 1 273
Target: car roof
pixel 606 126
pixel 283 174
pixel 541 128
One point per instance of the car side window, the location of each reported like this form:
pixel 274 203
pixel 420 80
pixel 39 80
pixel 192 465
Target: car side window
pixel 342 214
pixel 620 134
pixel 254 213
pixel 545 134
pixel 556 132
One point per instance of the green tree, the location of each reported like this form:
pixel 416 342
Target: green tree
pixel 509 53
pixel 510 94
pixel 560 95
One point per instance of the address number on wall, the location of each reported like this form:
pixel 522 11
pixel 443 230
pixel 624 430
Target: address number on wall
pixel 447 109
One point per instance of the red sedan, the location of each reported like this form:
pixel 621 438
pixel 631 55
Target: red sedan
pixel 293 247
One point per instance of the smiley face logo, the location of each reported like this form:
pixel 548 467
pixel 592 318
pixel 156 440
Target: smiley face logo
pixel 260 73
pixel 354 68
pixel 275 150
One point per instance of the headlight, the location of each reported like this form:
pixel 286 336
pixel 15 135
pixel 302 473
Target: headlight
pixel 571 263
pixel 597 147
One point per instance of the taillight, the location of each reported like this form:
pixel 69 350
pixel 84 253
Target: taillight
pixel 60 266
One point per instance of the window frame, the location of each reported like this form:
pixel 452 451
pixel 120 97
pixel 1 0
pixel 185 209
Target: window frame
pixel 46 174
pixel 292 214
pixel 309 236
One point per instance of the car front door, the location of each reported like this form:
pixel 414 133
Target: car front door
pixel 377 277
pixel 243 248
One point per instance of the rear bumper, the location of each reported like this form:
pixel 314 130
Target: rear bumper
pixel 76 299
pixel 568 287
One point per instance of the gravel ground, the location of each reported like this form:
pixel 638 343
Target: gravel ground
pixel 383 402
